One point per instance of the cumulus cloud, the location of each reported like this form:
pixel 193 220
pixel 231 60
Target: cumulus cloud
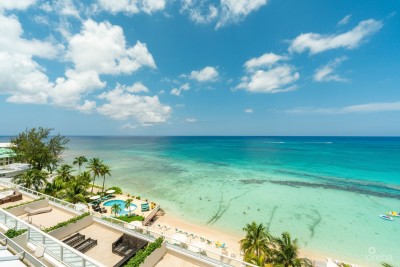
pixel 122 105
pixel 317 43
pixel 128 126
pixel 179 90
pixel 266 74
pixel 344 20
pixel 16 4
pixel 102 47
pixel 208 74
pixel 361 108
pixel 327 73
pixel 131 6
pixel 222 14
pixel 266 60
pixel 21 76
pixel 248 110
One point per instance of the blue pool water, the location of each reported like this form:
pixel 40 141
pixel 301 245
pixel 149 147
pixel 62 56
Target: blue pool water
pixel 121 203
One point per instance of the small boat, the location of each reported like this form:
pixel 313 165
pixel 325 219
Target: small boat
pixel 386 217
pixel 393 214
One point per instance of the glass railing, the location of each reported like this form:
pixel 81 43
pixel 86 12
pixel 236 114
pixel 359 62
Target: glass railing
pixel 56 249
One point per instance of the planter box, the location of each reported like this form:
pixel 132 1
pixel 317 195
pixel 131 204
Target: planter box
pixel 155 257
pixel 71 228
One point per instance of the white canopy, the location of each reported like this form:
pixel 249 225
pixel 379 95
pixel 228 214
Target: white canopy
pixel 94 197
pixel 110 191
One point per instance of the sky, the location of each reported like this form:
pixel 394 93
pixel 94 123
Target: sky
pixel 200 67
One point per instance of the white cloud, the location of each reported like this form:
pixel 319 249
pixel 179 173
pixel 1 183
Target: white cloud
pixel 134 88
pixel 227 12
pixel 233 11
pixel 131 6
pixel 123 105
pixel 275 80
pixel 191 120
pixel 326 73
pixel 102 47
pixel 362 108
pixel 21 77
pixel 87 107
pixel 16 4
pixel 207 74
pixel 248 110
pixel 178 91
pixel 317 43
pixel 266 60
pixel 344 20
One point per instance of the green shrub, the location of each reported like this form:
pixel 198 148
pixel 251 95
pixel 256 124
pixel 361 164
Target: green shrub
pixel 117 189
pixel 131 218
pixel 142 254
pixel 23 203
pixel 65 223
pixel 11 233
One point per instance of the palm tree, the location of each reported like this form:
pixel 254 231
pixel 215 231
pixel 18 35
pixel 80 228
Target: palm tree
pixel 84 178
pixel 116 209
pixel 385 264
pixel 104 169
pixel 128 203
pixel 257 241
pixel 74 192
pixel 80 160
pixel 64 172
pixel 94 166
pixel 31 178
pixel 286 253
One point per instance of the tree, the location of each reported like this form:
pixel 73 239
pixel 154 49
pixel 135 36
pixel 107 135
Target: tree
pixel 385 264
pixel 74 191
pixel 84 178
pixel 32 179
pixel 64 172
pixel 36 147
pixel 79 160
pixel 104 170
pixel 94 166
pixel 286 253
pixel 257 241
pixel 128 203
pixel 116 209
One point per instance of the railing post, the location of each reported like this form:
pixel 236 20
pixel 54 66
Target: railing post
pixel 62 253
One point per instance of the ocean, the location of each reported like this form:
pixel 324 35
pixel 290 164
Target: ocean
pixel 328 192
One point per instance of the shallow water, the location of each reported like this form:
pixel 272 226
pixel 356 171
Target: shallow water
pixel 326 191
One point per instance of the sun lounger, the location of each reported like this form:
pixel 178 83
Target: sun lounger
pixel 31 211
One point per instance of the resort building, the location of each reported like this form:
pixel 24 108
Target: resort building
pixel 8 167
pixel 6 154
pixel 51 232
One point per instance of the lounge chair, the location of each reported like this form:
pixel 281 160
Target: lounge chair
pixel 31 211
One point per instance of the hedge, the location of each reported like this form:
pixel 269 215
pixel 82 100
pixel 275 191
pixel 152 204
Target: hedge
pixel 142 254
pixel 65 223
pixel 11 233
pixel 23 203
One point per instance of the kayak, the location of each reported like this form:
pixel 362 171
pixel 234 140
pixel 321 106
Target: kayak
pixel 385 217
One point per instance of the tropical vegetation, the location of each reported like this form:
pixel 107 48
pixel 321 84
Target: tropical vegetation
pixel 38 148
pixel 262 249
pixel 65 223
pixel 11 233
pixel 116 209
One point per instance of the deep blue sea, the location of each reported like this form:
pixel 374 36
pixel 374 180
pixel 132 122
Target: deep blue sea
pixel 326 191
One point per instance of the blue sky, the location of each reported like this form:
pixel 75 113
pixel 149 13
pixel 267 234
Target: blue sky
pixel 199 67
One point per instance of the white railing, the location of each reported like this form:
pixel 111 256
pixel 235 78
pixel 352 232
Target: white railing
pixel 36 194
pixel 58 250
pixel 198 253
pixel 24 255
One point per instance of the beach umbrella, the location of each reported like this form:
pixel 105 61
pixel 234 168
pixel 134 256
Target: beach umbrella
pixel 110 191
pixel 179 237
pixel 94 197
pixel 197 246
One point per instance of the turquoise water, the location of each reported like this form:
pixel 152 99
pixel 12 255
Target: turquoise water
pixel 326 191
pixel 121 204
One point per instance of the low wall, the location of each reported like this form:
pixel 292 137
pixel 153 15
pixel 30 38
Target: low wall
pixel 189 259
pixel 17 211
pixel 71 228
pixel 155 257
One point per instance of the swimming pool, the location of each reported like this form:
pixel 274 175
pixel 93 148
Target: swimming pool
pixel 121 203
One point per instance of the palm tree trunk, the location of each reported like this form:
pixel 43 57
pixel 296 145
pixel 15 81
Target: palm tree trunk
pixel 94 178
pixel 104 179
